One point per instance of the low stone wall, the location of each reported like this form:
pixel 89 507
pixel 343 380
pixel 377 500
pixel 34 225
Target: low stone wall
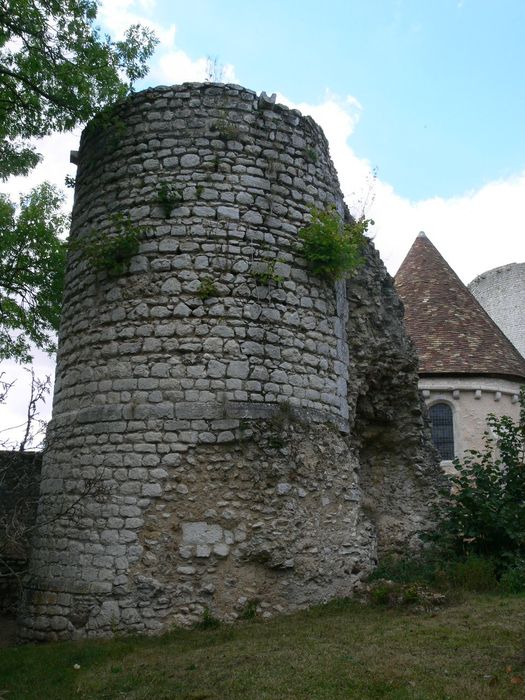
pixel 19 488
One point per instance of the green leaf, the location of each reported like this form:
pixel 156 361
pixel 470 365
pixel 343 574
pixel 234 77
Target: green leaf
pixel 57 72
pixel 32 261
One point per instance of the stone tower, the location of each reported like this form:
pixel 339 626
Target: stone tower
pixel 501 292
pixel 227 429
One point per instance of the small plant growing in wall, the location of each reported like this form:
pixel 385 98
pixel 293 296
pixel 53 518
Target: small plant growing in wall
pixel 207 289
pixel 208 621
pixel 111 253
pixel 249 611
pixel 268 275
pixel 168 197
pixel 226 131
pixel 310 155
pixel 331 247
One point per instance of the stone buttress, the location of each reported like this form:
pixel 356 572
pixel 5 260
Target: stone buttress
pixel 228 430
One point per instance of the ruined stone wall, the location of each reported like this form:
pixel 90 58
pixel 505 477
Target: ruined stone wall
pixel 206 451
pixel 19 490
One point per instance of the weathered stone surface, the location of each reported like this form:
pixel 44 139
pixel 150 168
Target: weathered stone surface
pixel 263 440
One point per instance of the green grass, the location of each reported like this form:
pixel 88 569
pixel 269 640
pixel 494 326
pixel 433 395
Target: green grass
pixel 340 650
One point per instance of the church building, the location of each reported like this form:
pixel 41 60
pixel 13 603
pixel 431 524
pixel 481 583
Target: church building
pixel 468 368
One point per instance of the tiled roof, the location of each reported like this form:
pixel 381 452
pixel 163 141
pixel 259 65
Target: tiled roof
pixel 451 331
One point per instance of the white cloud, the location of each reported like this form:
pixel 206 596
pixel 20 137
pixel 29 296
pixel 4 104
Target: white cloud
pixel 474 232
pixel 54 166
pixel 117 15
pixel 177 67
pixel 170 64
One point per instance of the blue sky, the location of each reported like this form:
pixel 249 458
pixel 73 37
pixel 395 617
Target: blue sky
pixel 440 81
pixel 428 92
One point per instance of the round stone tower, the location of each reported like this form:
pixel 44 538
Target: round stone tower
pixel 501 292
pixel 197 453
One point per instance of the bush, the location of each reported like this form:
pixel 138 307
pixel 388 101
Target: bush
pixel 513 579
pixel 332 248
pixel 395 594
pixel 168 198
pixel 485 513
pixel 474 573
pixel 249 611
pixel 409 569
pixel 440 571
pixel 479 541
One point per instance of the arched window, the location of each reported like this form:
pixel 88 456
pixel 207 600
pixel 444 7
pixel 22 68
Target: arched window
pixel 442 429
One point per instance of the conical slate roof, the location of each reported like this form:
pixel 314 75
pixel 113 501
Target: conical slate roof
pixel 451 331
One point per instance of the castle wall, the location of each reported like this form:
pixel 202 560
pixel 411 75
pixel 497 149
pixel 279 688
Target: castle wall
pixel 501 292
pixel 205 449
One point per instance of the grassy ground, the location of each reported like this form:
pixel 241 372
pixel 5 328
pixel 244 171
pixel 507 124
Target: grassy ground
pixel 472 649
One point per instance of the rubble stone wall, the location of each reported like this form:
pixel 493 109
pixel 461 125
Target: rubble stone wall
pixel 19 487
pixel 205 448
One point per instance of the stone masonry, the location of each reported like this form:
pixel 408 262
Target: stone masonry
pixel 255 446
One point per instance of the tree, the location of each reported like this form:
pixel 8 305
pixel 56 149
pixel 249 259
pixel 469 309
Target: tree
pixel 32 259
pixel 57 71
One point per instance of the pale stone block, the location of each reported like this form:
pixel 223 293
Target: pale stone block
pixel 201 533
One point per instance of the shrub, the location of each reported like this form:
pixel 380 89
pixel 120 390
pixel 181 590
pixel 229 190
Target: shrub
pixel 513 579
pixel 267 275
pixel 479 542
pixel 226 130
pixel 474 573
pixel 485 514
pixel 310 155
pixel 332 248
pixel 425 568
pixel 441 571
pixel 395 594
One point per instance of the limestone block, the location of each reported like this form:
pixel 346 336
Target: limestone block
pixel 201 533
